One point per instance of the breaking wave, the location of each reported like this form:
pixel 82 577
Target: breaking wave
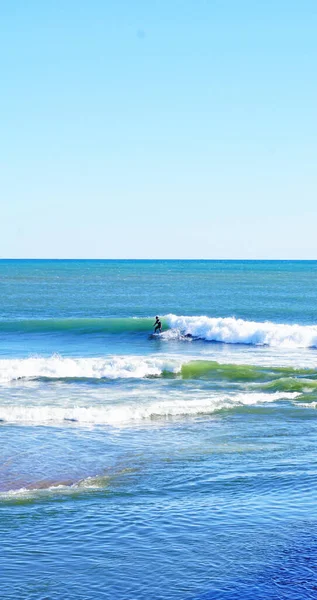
pixel 140 367
pixel 227 330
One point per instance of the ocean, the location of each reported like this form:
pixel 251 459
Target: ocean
pixel 181 466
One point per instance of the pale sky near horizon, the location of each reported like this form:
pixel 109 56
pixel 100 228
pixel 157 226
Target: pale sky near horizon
pixel 158 129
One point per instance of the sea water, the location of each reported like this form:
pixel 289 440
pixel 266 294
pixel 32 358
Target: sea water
pixel 174 467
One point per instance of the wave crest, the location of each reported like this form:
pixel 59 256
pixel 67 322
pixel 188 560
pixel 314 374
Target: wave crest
pixel 126 414
pixel 113 367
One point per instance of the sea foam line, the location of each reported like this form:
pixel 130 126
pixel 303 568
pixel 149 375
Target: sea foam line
pixel 126 414
pixel 45 487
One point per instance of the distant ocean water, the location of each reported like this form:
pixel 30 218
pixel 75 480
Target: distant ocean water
pixel 180 466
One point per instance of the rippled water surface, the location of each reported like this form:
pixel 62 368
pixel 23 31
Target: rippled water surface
pixel 181 466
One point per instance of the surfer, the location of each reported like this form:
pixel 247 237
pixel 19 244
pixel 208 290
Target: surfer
pixel 157 325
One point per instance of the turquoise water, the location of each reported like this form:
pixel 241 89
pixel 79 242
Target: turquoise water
pixel 180 466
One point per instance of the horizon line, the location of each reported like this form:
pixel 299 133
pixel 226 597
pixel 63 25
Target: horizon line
pixel 162 259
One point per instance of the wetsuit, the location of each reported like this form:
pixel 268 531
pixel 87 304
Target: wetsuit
pixel 158 326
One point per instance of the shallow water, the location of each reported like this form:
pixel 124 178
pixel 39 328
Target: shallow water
pixel 173 467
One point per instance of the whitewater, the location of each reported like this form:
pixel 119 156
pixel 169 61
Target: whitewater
pixel 237 331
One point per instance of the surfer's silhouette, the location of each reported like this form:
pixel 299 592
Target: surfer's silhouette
pixel 157 325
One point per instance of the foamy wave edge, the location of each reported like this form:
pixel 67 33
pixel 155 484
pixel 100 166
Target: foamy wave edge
pixel 45 488
pixel 230 330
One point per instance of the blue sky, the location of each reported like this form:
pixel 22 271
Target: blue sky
pixel 158 128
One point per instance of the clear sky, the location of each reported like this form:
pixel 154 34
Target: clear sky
pixel 158 128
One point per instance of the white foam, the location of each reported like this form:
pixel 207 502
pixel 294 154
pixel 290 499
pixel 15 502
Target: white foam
pixel 132 412
pixel 238 331
pixel 43 488
pixel 112 367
